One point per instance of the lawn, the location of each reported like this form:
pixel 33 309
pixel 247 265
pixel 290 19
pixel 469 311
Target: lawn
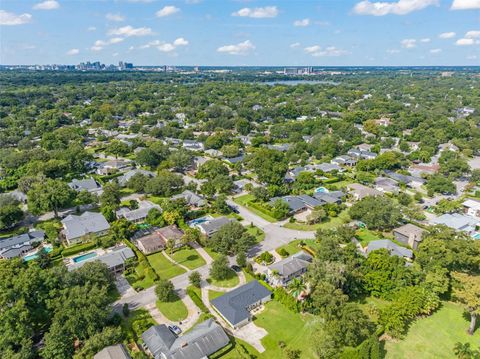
pixel 333 222
pixel 256 232
pixel 231 281
pixel 365 236
pixel 212 253
pixel 141 278
pixel 247 201
pixel 175 311
pixel 435 336
pixel 164 268
pixel 188 257
pixel 283 325
pixel 212 294
pixel 293 247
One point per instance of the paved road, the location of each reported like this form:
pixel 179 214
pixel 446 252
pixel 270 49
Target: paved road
pixel 275 235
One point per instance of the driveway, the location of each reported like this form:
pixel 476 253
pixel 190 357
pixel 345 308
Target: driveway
pixel 251 334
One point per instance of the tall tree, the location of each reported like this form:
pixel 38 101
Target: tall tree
pixel 467 291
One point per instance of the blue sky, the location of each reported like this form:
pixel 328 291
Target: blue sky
pixel 236 32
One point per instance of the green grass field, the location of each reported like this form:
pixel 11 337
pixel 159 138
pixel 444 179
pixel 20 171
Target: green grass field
pixel 283 325
pixel 212 294
pixel 189 258
pixel 146 282
pixel 230 282
pixel 293 247
pixel 333 222
pixel 136 323
pixel 256 232
pixel 212 253
pixel 365 236
pixel 435 336
pixel 245 201
pixel 175 311
pixel 164 268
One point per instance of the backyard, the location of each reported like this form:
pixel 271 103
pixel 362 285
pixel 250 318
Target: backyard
pixel 188 257
pixel 163 267
pixel 435 336
pixel 365 236
pixel 293 247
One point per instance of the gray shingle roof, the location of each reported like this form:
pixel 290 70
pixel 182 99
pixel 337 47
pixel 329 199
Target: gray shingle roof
pixel 87 184
pixel 292 264
pixel 393 248
pixel 112 259
pixel 191 198
pixel 122 180
pixel 137 214
pixel 30 237
pixel 203 340
pixel 215 224
pixel 117 351
pixel 233 305
pixel 88 222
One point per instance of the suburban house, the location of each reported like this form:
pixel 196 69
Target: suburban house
pixel 235 306
pixel 212 226
pixel 240 184
pixel 117 351
pixel 447 147
pixel 410 181
pixel 123 179
pixel 233 160
pixel 87 184
pixel 114 259
pixel 75 228
pixel 359 191
pixel 150 243
pixel 471 207
pixel 393 248
pixel 386 185
pixel 328 167
pixel 361 154
pixel 282 272
pixel 409 234
pixel 139 214
pixel 192 199
pixel 17 246
pixel 171 233
pixel 202 341
pixel 303 202
pixel 344 160
pixel 213 152
pixel 113 166
pixel 458 222
pixel 418 170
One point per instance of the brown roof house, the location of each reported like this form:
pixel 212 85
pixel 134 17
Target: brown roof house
pixel 157 240
pixel 409 234
pixel 171 233
pixel 359 191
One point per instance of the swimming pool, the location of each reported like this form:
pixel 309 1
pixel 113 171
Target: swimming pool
pixel 321 190
pixel 33 256
pixel 476 236
pixel 84 257
pixel 196 221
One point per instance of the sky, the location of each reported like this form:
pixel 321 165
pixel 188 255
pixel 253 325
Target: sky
pixel 241 32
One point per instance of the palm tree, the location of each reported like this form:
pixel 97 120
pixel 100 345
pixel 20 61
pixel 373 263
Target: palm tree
pixel 463 350
pixel 296 287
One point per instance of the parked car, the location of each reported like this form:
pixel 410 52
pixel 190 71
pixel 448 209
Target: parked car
pixel 174 329
pixel 234 209
pixel 236 268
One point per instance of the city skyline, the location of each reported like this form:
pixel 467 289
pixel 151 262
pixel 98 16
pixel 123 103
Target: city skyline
pixel 242 33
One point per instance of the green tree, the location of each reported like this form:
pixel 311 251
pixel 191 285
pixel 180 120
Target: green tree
pixel 165 290
pixel 231 238
pixel 376 212
pixel 220 269
pixel 50 195
pixel 10 212
pixel 111 195
pixel 195 279
pixel 467 291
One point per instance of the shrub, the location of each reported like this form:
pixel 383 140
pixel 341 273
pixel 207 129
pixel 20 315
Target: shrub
pixel 197 300
pixel 283 252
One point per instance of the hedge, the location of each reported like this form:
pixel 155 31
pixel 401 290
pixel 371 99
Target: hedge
pixel 262 209
pixel 69 251
pixel 197 300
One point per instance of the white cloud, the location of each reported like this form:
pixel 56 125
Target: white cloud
pixel 115 17
pixel 301 23
pixel 465 42
pixel 11 19
pixel 329 51
pixel 295 45
pixel 167 47
pixel 393 51
pixel 47 5
pixel 408 43
pixel 242 48
pixel 447 35
pixel 425 40
pixel 130 31
pixel 474 34
pixel 72 52
pixel 435 51
pixel 115 40
pixel 180 42
pixel 91 28
pixel 258 12
pixel 98 45
pixel 401 7
pixel 472 57
pixel 465 4
pixel 167 11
